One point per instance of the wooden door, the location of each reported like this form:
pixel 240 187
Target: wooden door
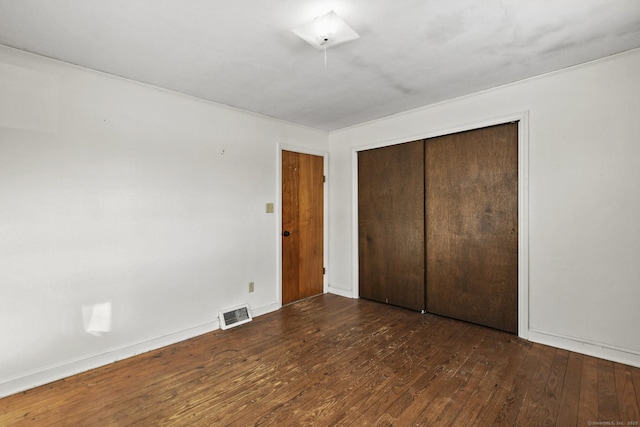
pixel 302 226
pixel 472 226
pixel 391 224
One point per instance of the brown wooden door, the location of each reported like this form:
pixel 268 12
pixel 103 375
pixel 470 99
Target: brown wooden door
pixel 472 226
pixel 391 225
pixel 302 225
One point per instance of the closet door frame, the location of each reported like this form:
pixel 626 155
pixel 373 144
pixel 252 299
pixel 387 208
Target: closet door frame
pixel 523 202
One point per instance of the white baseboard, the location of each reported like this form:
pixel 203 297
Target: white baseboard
pixel 26 381
pixel 255 312
pixel 341 292
pixel 602 351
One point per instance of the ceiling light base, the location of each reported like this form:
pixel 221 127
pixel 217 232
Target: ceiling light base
pixel 326 31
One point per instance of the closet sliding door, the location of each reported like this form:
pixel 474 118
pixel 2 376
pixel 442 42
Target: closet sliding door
pixel 391 225
pixel 471 204
pixel 438 225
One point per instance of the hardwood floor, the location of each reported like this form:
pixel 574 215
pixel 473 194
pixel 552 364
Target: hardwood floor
pixel 332 361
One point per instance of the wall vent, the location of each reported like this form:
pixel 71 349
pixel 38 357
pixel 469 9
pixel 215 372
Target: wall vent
pixel 234 316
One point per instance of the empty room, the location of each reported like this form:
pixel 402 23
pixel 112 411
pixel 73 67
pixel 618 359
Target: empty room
pixel 319 212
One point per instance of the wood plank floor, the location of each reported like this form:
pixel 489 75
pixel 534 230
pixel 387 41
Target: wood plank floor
pixel 330 361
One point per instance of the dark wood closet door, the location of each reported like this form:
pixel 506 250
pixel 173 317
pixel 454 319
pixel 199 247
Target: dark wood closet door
pixel 472 226
pixel 391 224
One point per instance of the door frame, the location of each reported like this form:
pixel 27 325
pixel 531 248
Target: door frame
pixel 278 211
pixel 523 202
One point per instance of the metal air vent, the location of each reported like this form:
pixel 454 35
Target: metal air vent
pixel 234 316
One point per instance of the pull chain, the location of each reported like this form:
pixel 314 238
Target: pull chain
pixel 325 58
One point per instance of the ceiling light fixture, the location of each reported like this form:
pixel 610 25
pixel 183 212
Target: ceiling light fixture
pixel 326 31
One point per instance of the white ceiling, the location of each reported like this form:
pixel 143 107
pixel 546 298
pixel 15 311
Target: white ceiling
pixel 242 53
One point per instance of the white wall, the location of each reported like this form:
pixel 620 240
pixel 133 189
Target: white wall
pixel 584 198
pixel 113 193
